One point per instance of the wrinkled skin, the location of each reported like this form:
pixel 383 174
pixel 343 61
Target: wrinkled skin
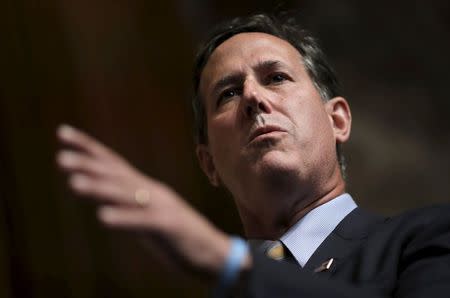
pixel 258 81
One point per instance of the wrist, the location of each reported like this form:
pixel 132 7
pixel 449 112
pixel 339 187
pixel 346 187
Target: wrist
pixel 237 262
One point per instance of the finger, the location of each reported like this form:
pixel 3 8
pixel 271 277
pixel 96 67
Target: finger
pixel 100 190
pixel 137 219
pixel 72 161
pixel 74 137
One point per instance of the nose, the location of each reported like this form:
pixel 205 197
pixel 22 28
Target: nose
pixel 254 99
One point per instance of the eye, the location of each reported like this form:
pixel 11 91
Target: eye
pixel 227 95
pixel 277 78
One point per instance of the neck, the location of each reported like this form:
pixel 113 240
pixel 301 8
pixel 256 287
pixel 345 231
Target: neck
pixel 271 213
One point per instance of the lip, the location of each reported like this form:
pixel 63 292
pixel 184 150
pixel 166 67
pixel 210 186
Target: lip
pixel 264 130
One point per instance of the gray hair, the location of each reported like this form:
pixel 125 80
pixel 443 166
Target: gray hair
pixel 284 27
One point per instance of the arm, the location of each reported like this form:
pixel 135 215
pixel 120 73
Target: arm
pixel 129 200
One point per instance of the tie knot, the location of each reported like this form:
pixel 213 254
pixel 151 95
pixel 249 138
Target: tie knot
pixel 276 250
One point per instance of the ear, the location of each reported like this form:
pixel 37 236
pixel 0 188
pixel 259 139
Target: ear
pixel 207 164
pixel 341 118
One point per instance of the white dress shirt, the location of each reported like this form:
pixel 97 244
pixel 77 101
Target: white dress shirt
pixel 304 237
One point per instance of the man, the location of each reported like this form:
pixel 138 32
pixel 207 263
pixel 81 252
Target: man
pixel 270 125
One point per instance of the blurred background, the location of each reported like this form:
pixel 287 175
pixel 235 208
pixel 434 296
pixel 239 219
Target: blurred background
pixel 121 70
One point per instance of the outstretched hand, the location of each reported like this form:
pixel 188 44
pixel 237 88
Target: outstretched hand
pixel 127 199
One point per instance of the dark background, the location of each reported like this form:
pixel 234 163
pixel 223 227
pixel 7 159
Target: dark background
pixel 121 70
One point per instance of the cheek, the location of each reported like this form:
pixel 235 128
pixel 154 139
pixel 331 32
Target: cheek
pixel 312 124
pixel 323 143
pixel 219 129
pixel 322 130
pixel 222 136
pixel 222 125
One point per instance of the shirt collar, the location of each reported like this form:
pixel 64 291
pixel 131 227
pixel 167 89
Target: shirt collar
pixel 304 237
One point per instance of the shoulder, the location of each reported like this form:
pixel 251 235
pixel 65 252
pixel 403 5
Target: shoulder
pixel 422 219
pixel 414 231
pixel 362 223
pixel 411 244
pixel 424 224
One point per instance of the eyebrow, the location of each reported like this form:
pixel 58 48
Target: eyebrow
pixel 269 64
pixel 234 78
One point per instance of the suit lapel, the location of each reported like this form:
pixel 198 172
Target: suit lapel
pixel 342 242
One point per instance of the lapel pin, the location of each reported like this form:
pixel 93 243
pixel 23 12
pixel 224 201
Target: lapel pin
pixel 325 266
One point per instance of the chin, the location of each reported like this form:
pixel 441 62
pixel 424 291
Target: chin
pixel 276 162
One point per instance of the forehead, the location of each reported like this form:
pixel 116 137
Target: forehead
pixel 245 50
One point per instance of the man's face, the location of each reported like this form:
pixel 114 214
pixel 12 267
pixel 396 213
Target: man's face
pixel 264 115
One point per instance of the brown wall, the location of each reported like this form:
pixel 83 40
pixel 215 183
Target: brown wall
pixel 121 71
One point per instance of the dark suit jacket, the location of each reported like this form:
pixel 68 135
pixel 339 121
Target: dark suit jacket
pixel 403 256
